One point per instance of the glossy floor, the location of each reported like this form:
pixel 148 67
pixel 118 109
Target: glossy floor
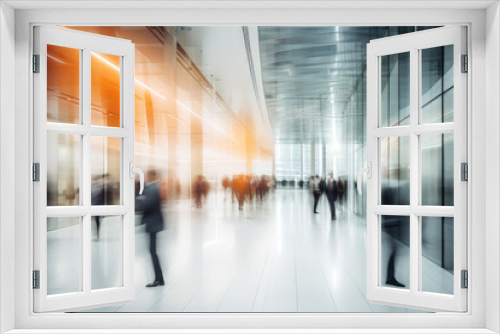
pixel 274 256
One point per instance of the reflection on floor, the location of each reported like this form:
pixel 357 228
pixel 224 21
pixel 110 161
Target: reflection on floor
pixel 275 256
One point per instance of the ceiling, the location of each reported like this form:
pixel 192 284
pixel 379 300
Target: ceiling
pixel 309 74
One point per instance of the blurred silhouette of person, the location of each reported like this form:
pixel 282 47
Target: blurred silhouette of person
pixel 332 192
pixel 149 203
pixel 341 185
pixel 241 189
pixel 225 185
pixel 198 190
pixel 316 192
pixel 97 198
pixel 391 225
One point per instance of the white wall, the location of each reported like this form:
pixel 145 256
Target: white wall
pixel 7 159
pixel 492 149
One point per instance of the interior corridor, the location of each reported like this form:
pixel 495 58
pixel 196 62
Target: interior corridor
pixel 274 256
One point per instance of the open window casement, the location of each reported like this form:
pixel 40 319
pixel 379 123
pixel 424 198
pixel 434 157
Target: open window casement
pixel 83 162
pixel 416 147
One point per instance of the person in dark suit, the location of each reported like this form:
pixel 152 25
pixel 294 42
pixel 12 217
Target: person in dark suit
pixel 97 198
pixel 316 191
pixel 149 203
pixel 391 226
pixel 332 192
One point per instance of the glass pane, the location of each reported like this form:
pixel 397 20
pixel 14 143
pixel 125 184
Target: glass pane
pixel 63 169
pixel 395 170
pixel 105 80
pixel 437 169
pixel 105 170
pixel 63 255
pixel 63 84
pixel 437 254
pixel 395 252
pixel 106 252
pixel 437 85
pixel 395 89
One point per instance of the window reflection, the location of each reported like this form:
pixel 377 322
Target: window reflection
pixel 395 170
pixel 437 169
pixel 63 84
pixel 437 85
pixel 105 89
pixel 63 169
pixel 395 85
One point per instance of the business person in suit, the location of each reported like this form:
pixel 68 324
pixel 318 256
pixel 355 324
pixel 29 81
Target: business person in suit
pixel 149 203
pixel 332 192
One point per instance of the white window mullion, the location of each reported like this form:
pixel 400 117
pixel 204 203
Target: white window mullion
pixel 109 132
pixel 69 129
pixel 414 169
pixel 392 210
pixel 86 171
pixel 396 131
pixel 437 128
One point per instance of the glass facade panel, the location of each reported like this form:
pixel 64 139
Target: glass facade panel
pixel 106 258
pixel 437 169
pixel 437 85
pixel 437 254
pixel 63 85
pixel 395 251
pixel 105 87
pixel 105 160
pixel 395 90
pixel 64 244
pixel 63 169
pixel 395 170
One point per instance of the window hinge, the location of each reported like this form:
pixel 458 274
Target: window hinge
pixel 465 64
pixel 36 172
pixel 465 279
pixel 36 63
pixel 464 167
pixel 36 279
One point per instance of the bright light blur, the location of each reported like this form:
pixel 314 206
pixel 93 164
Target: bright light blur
pixel 184 127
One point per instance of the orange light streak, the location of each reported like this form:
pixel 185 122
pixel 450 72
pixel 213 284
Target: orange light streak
pixel 104 60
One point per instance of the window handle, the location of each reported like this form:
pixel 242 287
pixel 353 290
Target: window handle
pixel 368 170
pixel 132 171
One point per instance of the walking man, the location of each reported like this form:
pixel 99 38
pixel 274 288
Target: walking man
pixel 316 192
pixel 150 205
pixel 332 192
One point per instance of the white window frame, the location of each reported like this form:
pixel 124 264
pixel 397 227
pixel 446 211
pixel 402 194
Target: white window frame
pixel 86 44
pixel 484 238
pixel 413 294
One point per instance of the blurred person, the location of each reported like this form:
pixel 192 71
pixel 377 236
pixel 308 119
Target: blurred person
pixel 316 192
pixel 261 187
pixel 332 193
pixel 198 189
pixel 97 198
pixel 241 189
pixel 149 203
pixel 342 189
pixel 391 225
